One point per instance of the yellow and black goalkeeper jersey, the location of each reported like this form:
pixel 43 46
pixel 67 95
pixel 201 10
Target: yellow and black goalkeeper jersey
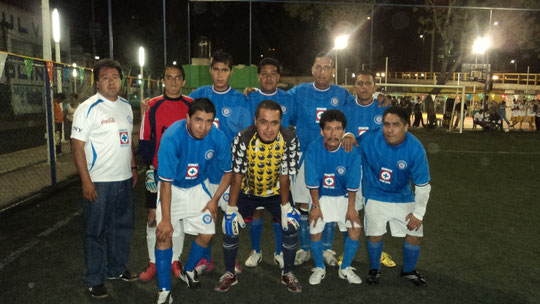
pixel 263 163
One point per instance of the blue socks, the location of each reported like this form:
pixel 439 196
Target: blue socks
pixel 410 256
pixel 290 238
pixel 350 251
pixel 328 235
pixel 163 267
pixel 208 253
pixel 277 237
pixel 317 252
pixel 305 238
pixel 374 253
pixel 195 255
pixel 255 232
pixel 230 250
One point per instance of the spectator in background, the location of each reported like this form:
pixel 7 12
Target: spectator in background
pixel 418 115
pixel 531 113
pixel 68 114
pixel 58 120
pixel 537 111
pixel 514 115
pixel 502 110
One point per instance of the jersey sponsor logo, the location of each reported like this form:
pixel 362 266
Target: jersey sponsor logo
pixel 207 218
pixel 318 114
pixel 192 171
pixel 209 154
pixel 130 119
pixel 216 122
pixel 124 137
pixel 341 170
pixel 226 112
pixel 386 175
pixel 402 165
pixel 329 180
pixel 283 109
pixel 378 119
pixel 107 121
pixel 362 130
pixel 335 101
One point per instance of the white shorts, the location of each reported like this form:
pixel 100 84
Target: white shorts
pixel 299 190
pixel 186 215
pixel 378 213
pixel 224 200
pixel 334 209
pixel 359 201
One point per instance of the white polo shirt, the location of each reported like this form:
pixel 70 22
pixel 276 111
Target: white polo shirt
pixel 106 127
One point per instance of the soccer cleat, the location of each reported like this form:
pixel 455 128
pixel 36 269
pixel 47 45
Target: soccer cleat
pixel 254 259
pixel 349 275
pixel 373 276
pixel 386 260
pixel 176 268
pixel 290 280
pixel 204 267
pixel 301 257
pixel 164 297
pixel 225 282
pixel 414 277
pixel 329 256
pixel 98 291
pixel 317 276
pixel 278 260
pixel 191 278
pixel 149 273
pixel 126 276
pixel 237 268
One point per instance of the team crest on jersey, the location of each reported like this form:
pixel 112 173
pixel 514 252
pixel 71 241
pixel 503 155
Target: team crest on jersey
pixel 226 112
pixel 192 171
pixel 226 197
pixel 362 130
pixel 209 154
pixel 124 137
pixel 341 170
pixel 335 101
pixel 402 165
pixel 130 119
pixel 207 218
pixel 385 176
pixel 318 114
pixel 378 119
pixel 329 180
pixel 283 109
pixel 216 122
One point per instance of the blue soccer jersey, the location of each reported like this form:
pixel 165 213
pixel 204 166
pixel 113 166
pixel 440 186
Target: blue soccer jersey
pixel 184 160
pixel 309 104
pixel 361 118
pixel 283 98
pixel 334 173
pixel 388 170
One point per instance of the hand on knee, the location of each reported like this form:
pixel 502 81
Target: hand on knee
pixel 354 233
pixel 316 237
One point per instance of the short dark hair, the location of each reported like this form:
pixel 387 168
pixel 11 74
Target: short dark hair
pixel 175 66
pixel 269 61
pixel 201 104
pixel 323 54
pixel 333 115
pixel 106 63
pixel 59 96
pixel 223 57
pixel 269 105
pixel 399 111
pixel 367 72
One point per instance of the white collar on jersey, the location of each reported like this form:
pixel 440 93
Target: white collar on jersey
pixel 369 104
pixel 107 99
pixel 268 94
pixel 221 92
pixel 321 90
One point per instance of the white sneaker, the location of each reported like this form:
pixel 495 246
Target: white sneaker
pixel 254 259
pixel 278 260
pixel 329 256
pixel 164 297
pixel 317 276
pixel 301 257
pixel 349 274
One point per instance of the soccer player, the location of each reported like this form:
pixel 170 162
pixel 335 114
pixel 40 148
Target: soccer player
pixel 264 155
pixel 103 154
pixel 333 178
pixel 186 151
pixel 310 101
pixel 268 74
pixel 232 116
pixel 164 111
pixel 391 158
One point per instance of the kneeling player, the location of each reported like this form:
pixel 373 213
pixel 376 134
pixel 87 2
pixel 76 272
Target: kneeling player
pixel 333 178
pixel 264 155
pixel 390 159
pixel 187 148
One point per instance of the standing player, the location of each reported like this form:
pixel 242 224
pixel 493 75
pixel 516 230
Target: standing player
pixel 164 111
pixel 232 116
pixel 264 155
pixel 310 101
pixel 103 154
pixel 390 159
pixel 333 178
pixel 268 74
pixel 187 149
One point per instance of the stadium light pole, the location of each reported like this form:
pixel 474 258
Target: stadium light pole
pixel 340 43
pixel 141 64
pixel 74 77
pixel 56 37
pixel 514 62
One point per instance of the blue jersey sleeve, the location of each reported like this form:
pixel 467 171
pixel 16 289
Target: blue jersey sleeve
pixel 293 118
pixel 223 149
pixel 168 155
pixel 420 168
pixel 312 172
pixel 354 166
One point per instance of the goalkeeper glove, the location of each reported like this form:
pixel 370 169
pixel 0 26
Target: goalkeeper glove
pixel 150 181
pixel 289 215
pixel 231 220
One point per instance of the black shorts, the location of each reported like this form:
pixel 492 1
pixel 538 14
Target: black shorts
pixel 248 203
pixel 151 199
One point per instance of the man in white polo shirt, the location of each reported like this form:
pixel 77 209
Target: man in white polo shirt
pixel 103 154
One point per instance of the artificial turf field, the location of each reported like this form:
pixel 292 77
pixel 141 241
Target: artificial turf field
pixel 481 242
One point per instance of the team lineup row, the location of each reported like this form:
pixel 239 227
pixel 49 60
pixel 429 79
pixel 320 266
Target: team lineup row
pixel 187 143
